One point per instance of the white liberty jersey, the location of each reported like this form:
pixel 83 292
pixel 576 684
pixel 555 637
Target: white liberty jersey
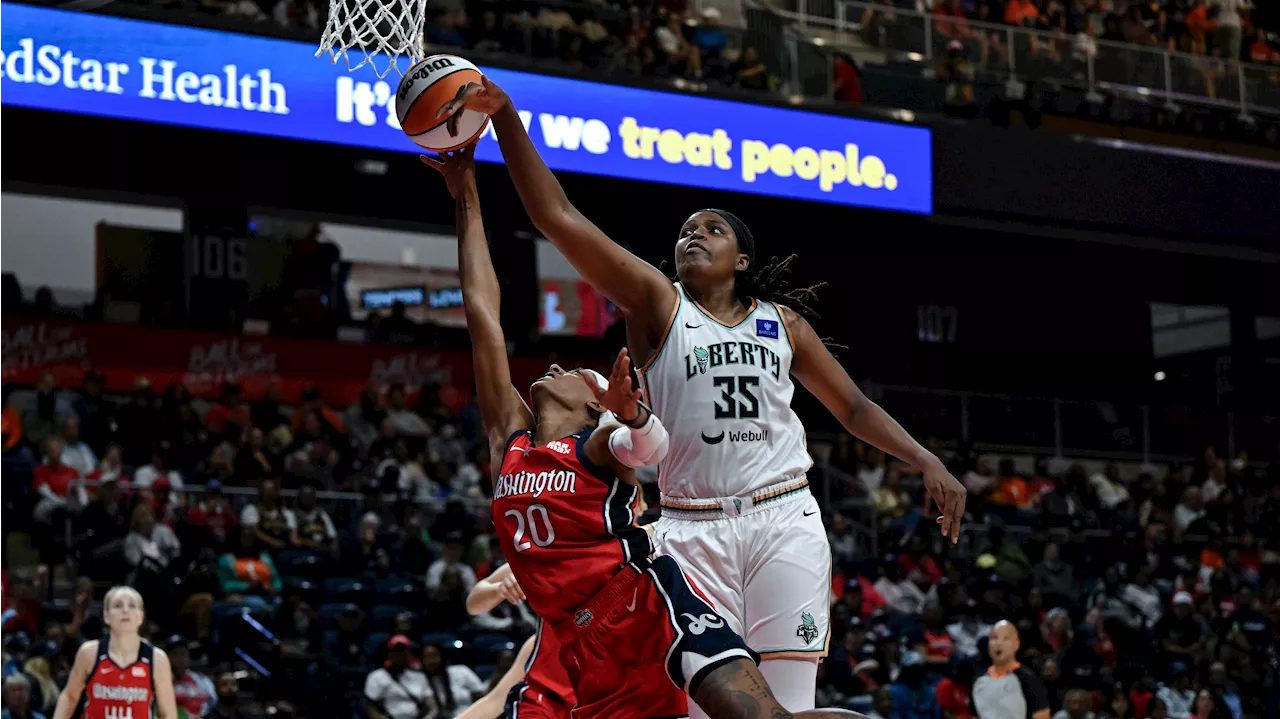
pixel 724 394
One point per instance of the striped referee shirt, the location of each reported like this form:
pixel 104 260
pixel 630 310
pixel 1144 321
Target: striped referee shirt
pixel 1016 693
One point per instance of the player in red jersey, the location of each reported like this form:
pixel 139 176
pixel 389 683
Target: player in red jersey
pixel 537 686
pixel 120 677
pixel 636 635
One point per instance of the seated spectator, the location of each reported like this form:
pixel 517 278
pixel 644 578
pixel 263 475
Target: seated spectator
pixel 891 500
pixel 398 690
pixel 229 416
pixel 1108 487
pixel 979 480
pixel 75 453
pixel 364 418
pixel 313 529
pixel 1076 706
pixel 844 548
pixel 214 517
pixel 17 699
pixel 226 685
pixel 711 41
pixel 253 460
pixel 1011 490
pixel 953 693
pixel 454 686
pixel 150 546
pixel 1189 510
pixel 342 650
pixel 451 559
pixel 675 54
pixel 146 475
pixel 932 641
pixel 193 691
pixel 1055 577
pixel 407 423
pixel 871 471
pixel 968 630
pixel 272 524
pixel 100 531
pixel 1056 630
pixel 1178 696
pixel 488 36
pixel 365 549
pixel 312 402
pixel 750 73
pixel 1179 637
pixel 55 485
pixel 267 414
pixel 1009 560
pixel 40 420
pixel 110 467
pixel 247 574
pixel 901 595
pixel 913 691
pixel 916 558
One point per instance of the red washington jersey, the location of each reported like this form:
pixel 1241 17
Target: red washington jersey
pixel 116 692
pixel 567 525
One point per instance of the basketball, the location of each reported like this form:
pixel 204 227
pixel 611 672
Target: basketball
pixel 424 88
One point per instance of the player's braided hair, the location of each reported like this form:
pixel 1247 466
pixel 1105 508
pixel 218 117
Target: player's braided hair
pixel 769 282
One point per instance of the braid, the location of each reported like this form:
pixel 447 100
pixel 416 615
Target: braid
pixel 770 284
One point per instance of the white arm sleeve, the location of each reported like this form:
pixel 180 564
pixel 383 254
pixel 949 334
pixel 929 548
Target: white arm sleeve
pixel 640 447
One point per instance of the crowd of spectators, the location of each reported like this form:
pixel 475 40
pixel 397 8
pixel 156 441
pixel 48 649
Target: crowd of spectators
pixel 1156 595
pixel 662 38
pixel 102 482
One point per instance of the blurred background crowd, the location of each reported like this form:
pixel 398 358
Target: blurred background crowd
pixel 280 548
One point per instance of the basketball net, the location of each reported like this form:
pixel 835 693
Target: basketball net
pixel 380 31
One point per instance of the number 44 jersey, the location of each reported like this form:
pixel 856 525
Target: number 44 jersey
pixel 724 394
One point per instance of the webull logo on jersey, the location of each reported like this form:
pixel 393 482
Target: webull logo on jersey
pixel 535 483
pixel 749 435
pixel 723 354
pixel 130 695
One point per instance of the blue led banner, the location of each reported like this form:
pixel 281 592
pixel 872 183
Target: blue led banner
pixel 154 72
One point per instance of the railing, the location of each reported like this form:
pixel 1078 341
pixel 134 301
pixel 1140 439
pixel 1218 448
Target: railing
pixel 1078 429
pixel 1013 54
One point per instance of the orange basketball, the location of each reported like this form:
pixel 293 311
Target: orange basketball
pixel 424 88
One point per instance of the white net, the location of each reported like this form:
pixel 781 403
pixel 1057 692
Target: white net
pixel 374 33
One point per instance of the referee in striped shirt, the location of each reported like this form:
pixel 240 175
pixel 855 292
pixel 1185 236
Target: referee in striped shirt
pixel 1008 690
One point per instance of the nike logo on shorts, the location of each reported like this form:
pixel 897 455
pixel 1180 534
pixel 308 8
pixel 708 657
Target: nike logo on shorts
pixel 810 514
pixel 632 606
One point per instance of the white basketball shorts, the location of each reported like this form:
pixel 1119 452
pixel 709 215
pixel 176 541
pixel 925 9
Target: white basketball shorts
pixel 764 561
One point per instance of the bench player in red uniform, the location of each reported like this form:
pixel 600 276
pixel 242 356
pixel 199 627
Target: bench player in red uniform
pixel 122 676
pixel 636 636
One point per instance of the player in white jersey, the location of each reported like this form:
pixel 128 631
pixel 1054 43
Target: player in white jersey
pixel 716 352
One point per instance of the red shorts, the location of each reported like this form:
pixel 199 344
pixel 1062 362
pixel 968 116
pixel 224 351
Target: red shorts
pixel 648 638
pixel 526 702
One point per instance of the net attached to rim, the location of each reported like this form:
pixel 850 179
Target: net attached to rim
pixel 375 33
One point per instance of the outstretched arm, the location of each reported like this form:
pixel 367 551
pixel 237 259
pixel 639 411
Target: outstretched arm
pixel 635 286
pixel 822 375
pixel 493 590
pixel 492 704
pixel 501 407
pixel 635 437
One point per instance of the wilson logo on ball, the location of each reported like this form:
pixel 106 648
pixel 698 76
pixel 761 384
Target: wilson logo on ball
pixel 428 86
pixel 422 70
